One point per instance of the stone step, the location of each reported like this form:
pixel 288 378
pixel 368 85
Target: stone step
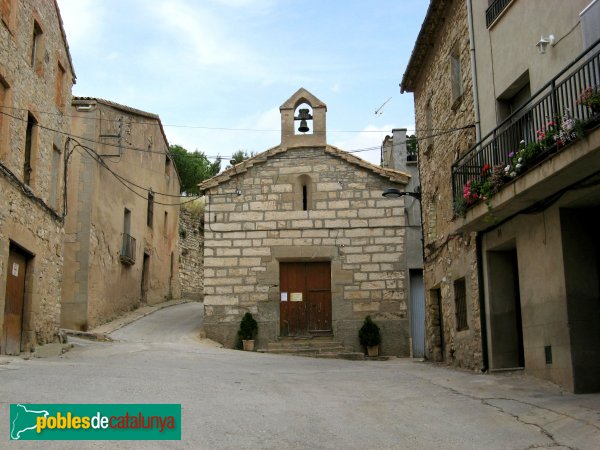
pixel 303 344
pixel 313 346
pixel 306 350
pixel 352 356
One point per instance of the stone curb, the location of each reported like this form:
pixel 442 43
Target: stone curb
pixel 86 335
pixel 132 316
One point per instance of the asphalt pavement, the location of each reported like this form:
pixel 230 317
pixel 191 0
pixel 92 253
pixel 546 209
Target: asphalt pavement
pixel 234 399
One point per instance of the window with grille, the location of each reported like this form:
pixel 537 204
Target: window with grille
pixel 460 299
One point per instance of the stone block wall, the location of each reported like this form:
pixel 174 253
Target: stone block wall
pixel 191 254
pixel 449 255
pixel 31 216
pixel 348 222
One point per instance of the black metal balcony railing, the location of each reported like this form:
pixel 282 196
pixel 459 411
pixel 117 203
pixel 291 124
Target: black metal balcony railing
pixel 494 11
pixel 558 98
pixel 127 255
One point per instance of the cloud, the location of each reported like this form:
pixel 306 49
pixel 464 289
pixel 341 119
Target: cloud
pixel 202 34
pixel 82 19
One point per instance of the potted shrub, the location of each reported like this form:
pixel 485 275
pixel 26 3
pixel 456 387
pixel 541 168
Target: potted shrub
pixel 247 332
pixel 370 337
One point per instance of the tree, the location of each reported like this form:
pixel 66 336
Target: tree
pixel 411 144
pixel 240 156
pixel 193 168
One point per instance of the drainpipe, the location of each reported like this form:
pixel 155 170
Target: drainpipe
pixel 483 323
pixel 474 72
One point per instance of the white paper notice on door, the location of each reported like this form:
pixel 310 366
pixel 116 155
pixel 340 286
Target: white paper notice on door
pixel 296 296
pixel 15 270
pixel 284 296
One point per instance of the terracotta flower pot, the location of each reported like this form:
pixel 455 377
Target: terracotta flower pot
pixel 248 345
pixel 373 350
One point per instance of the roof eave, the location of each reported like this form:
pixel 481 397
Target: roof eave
pixel 423 44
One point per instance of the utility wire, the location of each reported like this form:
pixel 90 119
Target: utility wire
pixel 216 128
pixel 145 150
pixel 125 182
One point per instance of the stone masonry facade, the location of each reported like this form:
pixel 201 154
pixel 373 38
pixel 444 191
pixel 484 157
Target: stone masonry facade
pixel 450 257
pixel 347 222
pixel 191 253
pixel 126 236
pixel 35 87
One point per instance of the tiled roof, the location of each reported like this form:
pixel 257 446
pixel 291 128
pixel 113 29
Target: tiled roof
pixel 126 109
pixel 394 176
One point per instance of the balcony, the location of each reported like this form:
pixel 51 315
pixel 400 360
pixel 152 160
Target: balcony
pixel 494 11
pixel 547 145
pixel 127 255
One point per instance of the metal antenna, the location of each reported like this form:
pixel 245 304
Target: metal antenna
pixel 379 111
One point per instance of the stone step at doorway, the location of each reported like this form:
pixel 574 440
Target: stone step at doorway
pixel 312 346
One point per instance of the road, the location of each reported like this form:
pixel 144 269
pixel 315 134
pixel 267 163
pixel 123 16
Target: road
pixel 234 399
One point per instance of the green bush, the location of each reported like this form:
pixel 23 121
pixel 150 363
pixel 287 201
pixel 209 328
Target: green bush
pixel 368 334
pixel 248 328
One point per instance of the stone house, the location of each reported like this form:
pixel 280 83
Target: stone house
pixel 301 237
pixel 121 241
pixel 36 76
pixel 191 250
pixel 439 75
pixel 535 158
pixel 395 155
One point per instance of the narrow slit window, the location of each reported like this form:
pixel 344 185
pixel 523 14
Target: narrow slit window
pixel 456 74
pixel 150 213
pixel 460 299
pixel 304 198
pixel 302 193
pixel 29 148
pixel 35 44
pixel 55 180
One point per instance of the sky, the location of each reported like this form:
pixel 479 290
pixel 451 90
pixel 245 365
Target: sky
pixel 216 71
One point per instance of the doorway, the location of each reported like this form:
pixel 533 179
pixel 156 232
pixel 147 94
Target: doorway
pixel 145 277
pixel 14 300
pixel 417 313
pixel 505 310
pixel 305 306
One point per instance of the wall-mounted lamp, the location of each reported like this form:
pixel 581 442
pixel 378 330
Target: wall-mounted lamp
pixel 396 193
pixel 543 43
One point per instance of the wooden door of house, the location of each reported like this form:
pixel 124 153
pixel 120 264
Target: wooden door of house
pixel 14 302
pixel 305 303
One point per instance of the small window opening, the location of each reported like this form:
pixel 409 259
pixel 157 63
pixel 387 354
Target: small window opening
pixel 29 136
pixel 460 298
pixel 150 212
pixel 304 198
pixel 37 34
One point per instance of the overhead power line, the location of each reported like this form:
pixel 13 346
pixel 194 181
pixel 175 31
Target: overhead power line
pixel 220 128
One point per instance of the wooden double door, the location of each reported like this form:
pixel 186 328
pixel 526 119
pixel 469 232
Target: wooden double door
pixel 305 303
